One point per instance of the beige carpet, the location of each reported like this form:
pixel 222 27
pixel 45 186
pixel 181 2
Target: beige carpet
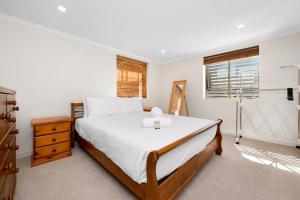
pixel 254 171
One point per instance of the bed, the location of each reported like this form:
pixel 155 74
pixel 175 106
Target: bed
pixel 153 164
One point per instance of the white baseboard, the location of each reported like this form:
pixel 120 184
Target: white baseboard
pixel 298 142
pixel 280 141
pixel 23 154
pixel 228 132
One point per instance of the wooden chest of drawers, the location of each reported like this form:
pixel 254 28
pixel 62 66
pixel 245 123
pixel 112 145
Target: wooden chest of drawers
pixel 51 139
pixel 8 145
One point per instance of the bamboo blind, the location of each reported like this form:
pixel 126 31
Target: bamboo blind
pixel 131 78
pixel 242 53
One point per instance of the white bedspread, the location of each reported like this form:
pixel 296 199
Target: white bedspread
pixel 122 138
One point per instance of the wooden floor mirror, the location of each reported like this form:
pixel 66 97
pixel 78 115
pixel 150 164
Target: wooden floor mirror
pixel 178 104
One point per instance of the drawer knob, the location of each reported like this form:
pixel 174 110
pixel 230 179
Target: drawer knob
pixel 16 170
pixel 15 131
pixel 12 119
pixel 8 167
pixel 54 129
pixel 53 150
pixel 49 157
pixel 3 116
pixel 7 146
pixel 16 108
pixel 16 147
pixel 13 102
pixel 53 139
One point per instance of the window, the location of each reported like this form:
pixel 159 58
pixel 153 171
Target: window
pixel 229 72
pixel 131 78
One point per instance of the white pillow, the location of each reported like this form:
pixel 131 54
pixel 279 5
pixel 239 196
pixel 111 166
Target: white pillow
pixel 85 109
pixel 156 112
pixel 131 105
pixel 100 106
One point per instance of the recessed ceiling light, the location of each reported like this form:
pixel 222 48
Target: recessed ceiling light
pixel 61 9
pixel 163 51
pixel 241 26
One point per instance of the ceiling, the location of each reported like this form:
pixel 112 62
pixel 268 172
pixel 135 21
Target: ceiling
pixel 183 28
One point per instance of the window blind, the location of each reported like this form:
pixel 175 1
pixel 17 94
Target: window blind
pixel 229 72
pixel 131 78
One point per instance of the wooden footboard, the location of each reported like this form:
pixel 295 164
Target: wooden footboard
pixel 169 187
pixel 178 179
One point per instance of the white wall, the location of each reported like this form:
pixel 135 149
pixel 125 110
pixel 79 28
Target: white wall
pixel 50 70
pixel 271 117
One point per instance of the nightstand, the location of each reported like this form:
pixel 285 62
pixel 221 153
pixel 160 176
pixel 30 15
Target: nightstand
pixel 51 139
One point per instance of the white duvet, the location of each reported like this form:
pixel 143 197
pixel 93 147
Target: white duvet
pixel 123 139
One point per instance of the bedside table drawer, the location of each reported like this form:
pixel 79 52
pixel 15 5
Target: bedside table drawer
pixel 39 161
pixel 52 128
pixel 51 150
pixel 52 139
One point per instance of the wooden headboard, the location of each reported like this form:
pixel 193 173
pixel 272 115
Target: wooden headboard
pixel 77 111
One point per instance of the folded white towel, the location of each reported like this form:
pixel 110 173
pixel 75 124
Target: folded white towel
pixel 156 112
pixel 164 122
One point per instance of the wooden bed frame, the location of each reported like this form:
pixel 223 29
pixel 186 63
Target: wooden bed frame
pixel 168 187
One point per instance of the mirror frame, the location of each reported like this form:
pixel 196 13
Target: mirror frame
pixel 172 109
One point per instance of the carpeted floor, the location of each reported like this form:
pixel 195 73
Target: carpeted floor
pixel 253 171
